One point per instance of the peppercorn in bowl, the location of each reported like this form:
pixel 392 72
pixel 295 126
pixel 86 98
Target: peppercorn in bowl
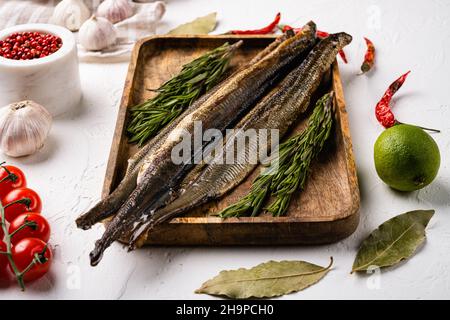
pixel 39 62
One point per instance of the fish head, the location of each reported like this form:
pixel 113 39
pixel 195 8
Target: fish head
pixel 308 29
pixel 341 39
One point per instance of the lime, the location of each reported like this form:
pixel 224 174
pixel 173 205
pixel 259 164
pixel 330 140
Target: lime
pixel 406 157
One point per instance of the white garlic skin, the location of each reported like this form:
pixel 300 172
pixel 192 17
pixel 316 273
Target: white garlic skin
pixel 24 127
pixel 70 14
pixel 143 23
pixel 97 33
pixel 115 10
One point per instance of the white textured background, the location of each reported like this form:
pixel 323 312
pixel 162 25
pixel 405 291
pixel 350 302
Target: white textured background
pixel 68 173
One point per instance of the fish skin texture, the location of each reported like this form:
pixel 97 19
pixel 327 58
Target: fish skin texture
pixel 229 103
pixel 277 110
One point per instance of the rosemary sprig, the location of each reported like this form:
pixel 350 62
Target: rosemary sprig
pixel 178 93
pixel 289 171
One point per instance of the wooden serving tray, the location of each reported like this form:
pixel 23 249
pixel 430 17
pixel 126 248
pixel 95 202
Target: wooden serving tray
pixel 326 211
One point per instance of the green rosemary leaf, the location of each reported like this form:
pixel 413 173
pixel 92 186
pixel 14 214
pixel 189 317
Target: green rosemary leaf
pixel 174 96
pixel 290 171
pixel 198 78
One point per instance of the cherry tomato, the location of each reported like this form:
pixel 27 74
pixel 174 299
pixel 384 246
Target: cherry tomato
pixel 14 208
pixel 41 230
pixel 3 260
pixel 12 180
pixel 23 254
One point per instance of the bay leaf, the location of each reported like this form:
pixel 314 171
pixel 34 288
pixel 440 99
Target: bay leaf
pixel 201 25
pixel 269 279
pixel 394 240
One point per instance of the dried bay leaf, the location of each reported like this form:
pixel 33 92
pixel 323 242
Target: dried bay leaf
pixel 269 279
pixel 201 25
pixel 394 240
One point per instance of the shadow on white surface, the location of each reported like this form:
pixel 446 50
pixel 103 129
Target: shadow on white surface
pixel 437 194
pixel 76 112
pixel 46 152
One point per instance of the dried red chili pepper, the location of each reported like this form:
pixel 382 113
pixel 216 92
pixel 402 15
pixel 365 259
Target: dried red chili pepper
pixel 383 111
pixel 286 27
pixel 320 34
pixel 267 29
pixel 369 57
pixel 343 56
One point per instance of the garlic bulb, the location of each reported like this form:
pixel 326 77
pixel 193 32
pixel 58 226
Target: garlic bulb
pixel 70 14
pixel 115 10
pixel 24 126
pixel 97 34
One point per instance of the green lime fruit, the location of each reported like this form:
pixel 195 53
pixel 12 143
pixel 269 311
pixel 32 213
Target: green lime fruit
pixel 406 157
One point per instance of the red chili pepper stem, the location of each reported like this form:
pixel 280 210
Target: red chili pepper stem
pixel 423 128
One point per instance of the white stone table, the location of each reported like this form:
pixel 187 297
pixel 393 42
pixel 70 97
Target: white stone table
pixel 69 171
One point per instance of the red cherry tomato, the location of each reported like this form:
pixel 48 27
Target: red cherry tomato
pixel 23 254
pixel 3 261
pixel 40 229
pixel 11 178
pixel 13 206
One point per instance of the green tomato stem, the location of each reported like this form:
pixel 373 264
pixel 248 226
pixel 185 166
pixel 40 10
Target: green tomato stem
pixel 25 201
pixel 30 224
pixel 18 274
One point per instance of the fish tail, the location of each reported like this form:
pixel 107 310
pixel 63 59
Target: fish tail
pixel 127 215
pixel 114 231
pixel 109 205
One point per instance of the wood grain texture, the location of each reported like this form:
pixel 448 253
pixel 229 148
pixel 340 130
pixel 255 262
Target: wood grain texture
pixel 326 211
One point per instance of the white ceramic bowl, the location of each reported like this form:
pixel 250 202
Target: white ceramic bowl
pixel 52 81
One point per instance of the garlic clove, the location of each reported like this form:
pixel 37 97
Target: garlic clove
pixel 70 14
pixel 24 127
pixel 93 4
pixel 97 33
pixel 115 10
pixel 143 23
